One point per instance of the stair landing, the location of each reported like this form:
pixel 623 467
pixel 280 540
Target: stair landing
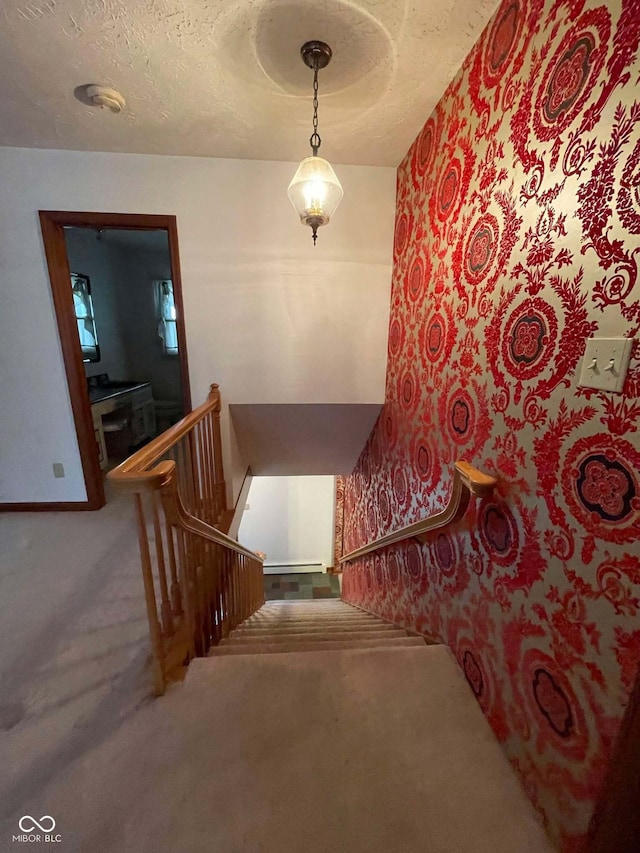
pixel 376 750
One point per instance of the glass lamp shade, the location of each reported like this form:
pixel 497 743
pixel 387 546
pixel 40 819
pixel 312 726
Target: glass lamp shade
pixel 315 192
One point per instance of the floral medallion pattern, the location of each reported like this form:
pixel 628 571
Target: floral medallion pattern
pixel 529 339
pixel 517 238
pixel 481 249
pixel 576 63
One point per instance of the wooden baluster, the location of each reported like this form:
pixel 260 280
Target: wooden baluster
pixel 192 468
pixel 213 492
pixel 239 561
pixel 204 594
pixel 197 592
pixel 206 472
pixel 201 471
pixel 150 599
pixel 176 595
pixel 223 593
pixel 246 586
pixel 254 578
pixel 195 471
pixel 221 491
pixel 201 635
pixel 193 576
pixel 165 606
pixel 212 593
pixel 218 593
pixel 192 547
pixel 216 509
pixel 181 467
pixel 232 587
pixel 199 490
pixel 208 584
pixel 187 592
pixel 204 604
pixel 229 573
pixel 226 597
pixel 236 584
pixel 208 468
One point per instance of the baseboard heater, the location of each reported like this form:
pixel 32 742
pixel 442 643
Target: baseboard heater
pixel 293 568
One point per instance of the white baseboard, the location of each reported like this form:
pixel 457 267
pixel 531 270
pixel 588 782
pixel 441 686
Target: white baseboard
pixel 293 568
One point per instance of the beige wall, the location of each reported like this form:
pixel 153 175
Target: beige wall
pixel 291 519
pixel 268 316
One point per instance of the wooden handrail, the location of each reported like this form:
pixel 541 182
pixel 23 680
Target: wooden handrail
pixel 467 481
pixel 199 583
pixel 176 513
pixel 155 449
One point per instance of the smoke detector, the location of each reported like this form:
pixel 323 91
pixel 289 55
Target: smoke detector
pixel 100 96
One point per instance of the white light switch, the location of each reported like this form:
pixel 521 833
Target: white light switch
pixel 605 363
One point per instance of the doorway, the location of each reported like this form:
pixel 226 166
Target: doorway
pixel 125 386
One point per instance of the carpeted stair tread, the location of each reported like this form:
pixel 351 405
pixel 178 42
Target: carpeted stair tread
pixel 293 623
pixel 303 626
pixel 309 636
pixel 323 645
pixel 338 627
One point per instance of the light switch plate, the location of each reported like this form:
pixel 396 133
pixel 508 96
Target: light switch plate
pixel 605 363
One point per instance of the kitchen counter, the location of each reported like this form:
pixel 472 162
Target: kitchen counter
pixel 100 393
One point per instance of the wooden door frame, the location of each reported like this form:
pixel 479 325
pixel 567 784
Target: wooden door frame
pixel 53 223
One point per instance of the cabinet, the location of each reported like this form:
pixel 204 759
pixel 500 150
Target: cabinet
pixel 143 416
pixel 138 410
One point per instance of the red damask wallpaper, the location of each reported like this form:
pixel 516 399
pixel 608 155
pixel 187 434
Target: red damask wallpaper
pixel 517 238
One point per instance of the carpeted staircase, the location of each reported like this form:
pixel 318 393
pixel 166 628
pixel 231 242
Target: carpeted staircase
pixel 356 738
pixel 300 626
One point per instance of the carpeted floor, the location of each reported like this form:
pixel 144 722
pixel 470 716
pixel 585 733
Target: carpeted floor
pixel 366 750
pixel 293 586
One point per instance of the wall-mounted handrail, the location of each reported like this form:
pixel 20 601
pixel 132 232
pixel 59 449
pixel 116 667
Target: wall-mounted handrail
pixel 467 481
pixel 199 583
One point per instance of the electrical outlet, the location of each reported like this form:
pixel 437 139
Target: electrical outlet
pixel 605 363
pixel 58 470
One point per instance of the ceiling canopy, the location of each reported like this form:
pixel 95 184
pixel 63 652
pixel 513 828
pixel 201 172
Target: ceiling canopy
pixel 223 78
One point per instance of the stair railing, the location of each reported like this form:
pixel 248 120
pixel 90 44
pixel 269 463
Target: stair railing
pixel 467 481
pixel 199 583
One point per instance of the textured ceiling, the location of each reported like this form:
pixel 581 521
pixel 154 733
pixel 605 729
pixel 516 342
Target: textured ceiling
pixel 223 78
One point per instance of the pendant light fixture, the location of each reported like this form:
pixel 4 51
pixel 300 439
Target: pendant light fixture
pixel 315 190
